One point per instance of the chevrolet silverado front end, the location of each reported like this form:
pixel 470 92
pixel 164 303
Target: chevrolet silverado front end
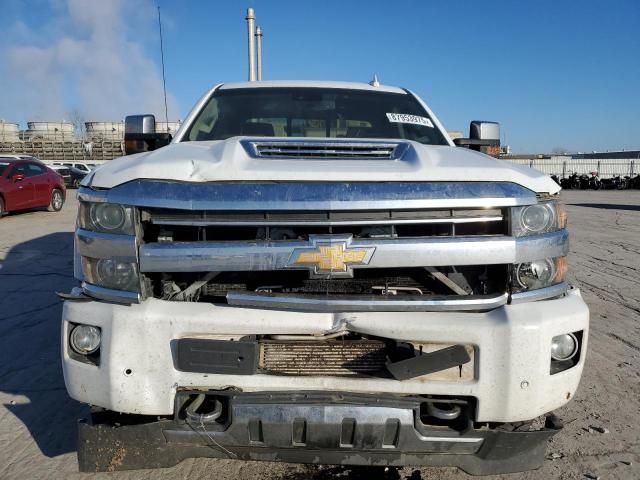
pixel 313 272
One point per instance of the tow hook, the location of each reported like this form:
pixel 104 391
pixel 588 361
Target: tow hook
pixel 201 418
pixel 450 413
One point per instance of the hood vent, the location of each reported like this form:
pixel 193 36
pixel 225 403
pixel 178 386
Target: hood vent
pixel 322 150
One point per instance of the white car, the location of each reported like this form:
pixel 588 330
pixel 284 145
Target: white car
pixel 82 166
pixel 315 272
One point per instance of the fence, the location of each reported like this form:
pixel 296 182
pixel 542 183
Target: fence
pixel 565 166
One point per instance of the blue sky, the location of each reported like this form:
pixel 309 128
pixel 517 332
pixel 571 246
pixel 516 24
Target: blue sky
pixel 555 74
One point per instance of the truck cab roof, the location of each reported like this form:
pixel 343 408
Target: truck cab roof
pixel 312 84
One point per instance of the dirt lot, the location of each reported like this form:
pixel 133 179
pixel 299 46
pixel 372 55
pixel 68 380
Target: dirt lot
pixel 37 419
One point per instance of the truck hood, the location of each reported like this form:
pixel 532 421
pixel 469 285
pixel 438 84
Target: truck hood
pixel 227 160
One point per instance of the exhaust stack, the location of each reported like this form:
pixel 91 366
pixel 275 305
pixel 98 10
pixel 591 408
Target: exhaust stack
pixel 250 18
pixel 259 51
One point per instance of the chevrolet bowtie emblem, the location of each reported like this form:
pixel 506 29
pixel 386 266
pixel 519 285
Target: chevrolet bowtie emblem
pixel 330 256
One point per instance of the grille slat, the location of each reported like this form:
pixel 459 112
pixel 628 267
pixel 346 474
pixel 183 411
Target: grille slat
pixel 326 218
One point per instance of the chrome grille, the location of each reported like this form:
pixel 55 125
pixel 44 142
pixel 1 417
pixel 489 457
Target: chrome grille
pixel 336 358
pixel 269 225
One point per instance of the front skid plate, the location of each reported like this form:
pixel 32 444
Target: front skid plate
pixel 104 448
pixel 341 434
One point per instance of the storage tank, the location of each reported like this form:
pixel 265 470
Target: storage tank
pixel 50 131
pixel 111 131
pixel 168 127
pixel 9 132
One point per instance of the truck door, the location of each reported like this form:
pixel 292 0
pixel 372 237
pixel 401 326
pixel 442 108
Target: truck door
pixel 20 191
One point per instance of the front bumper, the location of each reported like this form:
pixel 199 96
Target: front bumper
pixel 512 380
pixel 307 427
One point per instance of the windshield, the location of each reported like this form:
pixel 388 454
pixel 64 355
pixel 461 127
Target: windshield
pixel 313 112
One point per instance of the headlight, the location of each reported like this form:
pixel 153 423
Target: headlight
pixel 538 218
pixel 106 218
pixel 111 273
pixel 540 273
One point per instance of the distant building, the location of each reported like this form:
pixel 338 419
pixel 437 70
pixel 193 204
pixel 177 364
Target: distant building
pixel 632 154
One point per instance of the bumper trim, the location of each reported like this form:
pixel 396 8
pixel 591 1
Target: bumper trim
pixel 110 295
pixel 364 303
pixel 540 293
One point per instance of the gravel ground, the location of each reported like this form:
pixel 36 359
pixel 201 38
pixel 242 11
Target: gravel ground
pixel 37 419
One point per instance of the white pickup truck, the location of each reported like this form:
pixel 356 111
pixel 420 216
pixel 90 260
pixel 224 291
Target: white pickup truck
pixel 315 272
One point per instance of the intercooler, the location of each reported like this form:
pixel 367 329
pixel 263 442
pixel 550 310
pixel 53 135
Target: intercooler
pixel 334 358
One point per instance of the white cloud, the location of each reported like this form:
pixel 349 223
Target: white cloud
pixel 90 56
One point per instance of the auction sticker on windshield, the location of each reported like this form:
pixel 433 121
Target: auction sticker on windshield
pixel 406 118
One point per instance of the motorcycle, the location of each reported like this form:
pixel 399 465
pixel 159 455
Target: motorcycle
pixel 571 182
pixel 625 183
pixel 584 181
pixel 594 181
pixel 609 183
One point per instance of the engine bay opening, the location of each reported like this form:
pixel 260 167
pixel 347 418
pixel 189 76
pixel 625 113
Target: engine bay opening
pixel 213 287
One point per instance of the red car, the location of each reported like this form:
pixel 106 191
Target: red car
pixel 28 183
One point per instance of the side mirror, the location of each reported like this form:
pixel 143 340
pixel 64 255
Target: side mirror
pixel 18 177
pixel 140 134
pixel 483 137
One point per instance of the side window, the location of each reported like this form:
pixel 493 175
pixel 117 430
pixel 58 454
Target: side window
pixel 205 121
pixel 20 168
pixel 34 169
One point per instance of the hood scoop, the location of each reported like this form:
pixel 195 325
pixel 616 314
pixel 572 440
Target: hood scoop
pixel 325 150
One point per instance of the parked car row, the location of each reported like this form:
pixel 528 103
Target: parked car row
pixel 26 182
pixel 594 182
pixel 81 166
pixel 72 176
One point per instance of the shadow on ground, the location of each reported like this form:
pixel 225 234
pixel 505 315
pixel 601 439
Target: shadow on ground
pixel 607 206
pixel 30 369
pixel 354 473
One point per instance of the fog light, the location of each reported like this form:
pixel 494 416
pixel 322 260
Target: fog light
pixel 85 339
pixel 564 347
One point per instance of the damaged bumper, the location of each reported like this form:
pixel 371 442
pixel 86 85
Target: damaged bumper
pixel 137 370
pixel 308 427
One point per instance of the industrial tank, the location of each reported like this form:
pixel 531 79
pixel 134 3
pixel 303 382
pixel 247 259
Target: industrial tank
pixel 60 131
pixel 110 131
pixel 9 132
